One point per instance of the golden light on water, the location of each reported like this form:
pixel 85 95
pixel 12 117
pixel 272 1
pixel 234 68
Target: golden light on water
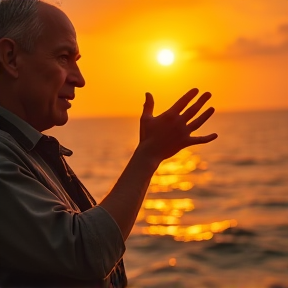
pixel 182 163
pixel 197 232
pixel 175 173
pixel 172 262
pixel 169 204
pixel 167 220
pixel 169 216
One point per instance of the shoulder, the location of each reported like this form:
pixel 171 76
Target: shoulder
pixel 12 152
pixel 7 143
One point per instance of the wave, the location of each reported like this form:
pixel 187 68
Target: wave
pixel 239 232
pixel 278 286
pixel 253 161
pixel 269 204
pixel 282 228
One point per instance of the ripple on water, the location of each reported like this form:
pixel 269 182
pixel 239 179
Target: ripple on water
pixel 273 203
pixel 278 285
pixel 175 269
pixel 239 232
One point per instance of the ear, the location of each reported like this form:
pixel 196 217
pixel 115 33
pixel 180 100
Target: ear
pixel 8 56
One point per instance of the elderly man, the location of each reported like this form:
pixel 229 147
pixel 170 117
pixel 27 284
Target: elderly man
pixel 52 232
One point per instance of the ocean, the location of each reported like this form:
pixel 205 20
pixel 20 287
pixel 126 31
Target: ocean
pixel 215 215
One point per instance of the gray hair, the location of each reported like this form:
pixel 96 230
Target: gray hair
pixel 19 21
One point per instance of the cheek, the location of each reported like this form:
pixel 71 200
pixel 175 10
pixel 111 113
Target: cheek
pixel 43 81
pixel 55 77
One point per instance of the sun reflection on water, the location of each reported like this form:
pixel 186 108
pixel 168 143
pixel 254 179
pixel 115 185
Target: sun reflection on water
pixel 161 216
pixel 176 173
pixel 197 232
pixel 169 204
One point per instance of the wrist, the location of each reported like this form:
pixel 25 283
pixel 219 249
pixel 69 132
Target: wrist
pixel 150 161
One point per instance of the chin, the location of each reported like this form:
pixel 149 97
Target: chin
pixel 62 119
pixel 61 122
pixel 57 120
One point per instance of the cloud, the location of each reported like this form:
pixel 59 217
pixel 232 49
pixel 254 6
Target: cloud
pixel 283 29
pixel 249 47
pixel 246 47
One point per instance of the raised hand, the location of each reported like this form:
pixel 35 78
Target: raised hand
pixel 160 137
pixel 168 133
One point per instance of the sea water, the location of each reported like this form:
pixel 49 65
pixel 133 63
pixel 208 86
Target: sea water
pixel 215 215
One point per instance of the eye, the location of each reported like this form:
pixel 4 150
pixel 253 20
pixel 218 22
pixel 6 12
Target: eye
pixel 64 58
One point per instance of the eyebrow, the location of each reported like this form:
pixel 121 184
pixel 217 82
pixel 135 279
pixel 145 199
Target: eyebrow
pixel 71 49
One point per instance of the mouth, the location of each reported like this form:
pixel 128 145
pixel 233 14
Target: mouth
pixel 67 97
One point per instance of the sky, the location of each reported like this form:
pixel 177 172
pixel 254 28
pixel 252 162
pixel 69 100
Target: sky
pixel 237 50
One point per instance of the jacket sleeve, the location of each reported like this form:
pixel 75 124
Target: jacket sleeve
pixel 40 234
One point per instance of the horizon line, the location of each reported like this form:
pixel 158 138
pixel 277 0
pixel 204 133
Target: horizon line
pixel 216 112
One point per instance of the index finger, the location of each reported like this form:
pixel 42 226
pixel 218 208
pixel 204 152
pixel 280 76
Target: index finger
pixel 184 101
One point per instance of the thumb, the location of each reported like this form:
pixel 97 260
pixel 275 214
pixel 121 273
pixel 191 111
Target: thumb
pixel 148 105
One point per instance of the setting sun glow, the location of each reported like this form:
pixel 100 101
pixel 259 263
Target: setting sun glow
pixel 165 57
pixel 132 43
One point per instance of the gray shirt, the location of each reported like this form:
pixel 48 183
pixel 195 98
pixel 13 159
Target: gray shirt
pixel 44 235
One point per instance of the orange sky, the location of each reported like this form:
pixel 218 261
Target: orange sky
pixel 237 50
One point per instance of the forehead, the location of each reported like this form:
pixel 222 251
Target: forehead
pixel 58 31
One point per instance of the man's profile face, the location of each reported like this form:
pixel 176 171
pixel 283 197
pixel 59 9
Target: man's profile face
pixel 48 76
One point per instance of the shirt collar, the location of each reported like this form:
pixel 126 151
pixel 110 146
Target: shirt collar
pixel 27 136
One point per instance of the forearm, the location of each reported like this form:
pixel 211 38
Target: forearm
pixel 125 199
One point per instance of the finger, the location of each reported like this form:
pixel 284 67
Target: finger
pixel 148 105
pixel 202 139
pixel 198 122
pixel 183 101
pixel 194 109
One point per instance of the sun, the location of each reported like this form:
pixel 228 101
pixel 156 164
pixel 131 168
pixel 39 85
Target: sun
pixel 165 57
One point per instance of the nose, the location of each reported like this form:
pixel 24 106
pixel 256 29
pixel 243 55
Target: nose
pixel 75 77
